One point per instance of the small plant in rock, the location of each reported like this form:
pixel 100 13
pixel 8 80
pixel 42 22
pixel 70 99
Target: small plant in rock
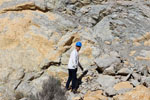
pixel 51 90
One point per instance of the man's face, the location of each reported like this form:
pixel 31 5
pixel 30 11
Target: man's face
pixel 78 48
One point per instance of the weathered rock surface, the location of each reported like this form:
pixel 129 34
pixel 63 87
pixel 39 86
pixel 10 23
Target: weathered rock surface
pixel 96 95
pixel 139 93
pixel 123 87
pixel 37 37
pixel 107 81
pixel 106 61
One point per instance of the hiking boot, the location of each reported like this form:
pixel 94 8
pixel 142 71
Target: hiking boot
pixel 74 91
pixel 68 88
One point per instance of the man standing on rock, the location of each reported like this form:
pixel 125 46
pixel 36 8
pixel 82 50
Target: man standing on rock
pixel 73 66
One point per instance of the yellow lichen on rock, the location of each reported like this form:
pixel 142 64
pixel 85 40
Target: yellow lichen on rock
pixel 86 50
pixel 52 16
pixel 95 95
pixel 139 93
pixel 145 55
pixel 13 35
pixel 23 6
pixel 40 43
pixel 137 44
pixel 145 38
pixel 142 58
pixel 132 53
pixel 76 98
pixel 18 37
pixel 123 85
pixel 147 43
pixel 127 63
pixel 60 74
pixel 108 42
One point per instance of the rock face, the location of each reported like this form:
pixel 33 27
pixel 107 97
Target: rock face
pixel 37 37
pixel 140 93
pixel 106 81
pixel 94 96
pixel 123 87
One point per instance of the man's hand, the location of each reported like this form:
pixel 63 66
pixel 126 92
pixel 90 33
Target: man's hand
pixel 81 67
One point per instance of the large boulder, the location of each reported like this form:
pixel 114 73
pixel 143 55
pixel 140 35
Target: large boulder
pixel 107 81
pixel 106 61
pixel 102 29
pixel 95 95
pixel 42 5
pixel 139 93
pixel 26 45
pixel 123 87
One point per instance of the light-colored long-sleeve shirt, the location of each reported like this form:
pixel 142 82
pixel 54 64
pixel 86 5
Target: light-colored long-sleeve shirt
pixel 74 60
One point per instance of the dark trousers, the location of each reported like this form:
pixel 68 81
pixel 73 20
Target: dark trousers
pixel 72 77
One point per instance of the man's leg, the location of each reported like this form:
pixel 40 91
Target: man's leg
pixel 74 80
pixel 69 78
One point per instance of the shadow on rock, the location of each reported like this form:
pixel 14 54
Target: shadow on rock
pixel 79 80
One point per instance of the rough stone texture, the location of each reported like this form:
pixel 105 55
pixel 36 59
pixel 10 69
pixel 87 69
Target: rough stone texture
pixel 139 93
pixel 6 93
pixel 123 87
pixel 107 81
pixel 102 30
pixel 96 95
pixel 124 71
pixel 110 71
pixel 146 81
pixel 106 61
pixel 135 83
pixel 37 37
pixel 110 92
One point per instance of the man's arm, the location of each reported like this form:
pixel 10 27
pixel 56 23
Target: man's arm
pixel 80 66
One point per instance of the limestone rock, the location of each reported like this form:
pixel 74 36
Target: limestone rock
pixel 139 93
pixel 13 84
pixel 37 37
pixel 123 87
pixel 102 29
pixel 106 61
pixel 95 95
pixel 17 75
pixel 135 82
pixel 110 71
pixel 124 71
pixel 110 92
pixel 4 75
pixel 6 93
pixel 145 81
pixel 107 81
pixel 25 88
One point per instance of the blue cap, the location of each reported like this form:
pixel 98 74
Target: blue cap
pixel 78 44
